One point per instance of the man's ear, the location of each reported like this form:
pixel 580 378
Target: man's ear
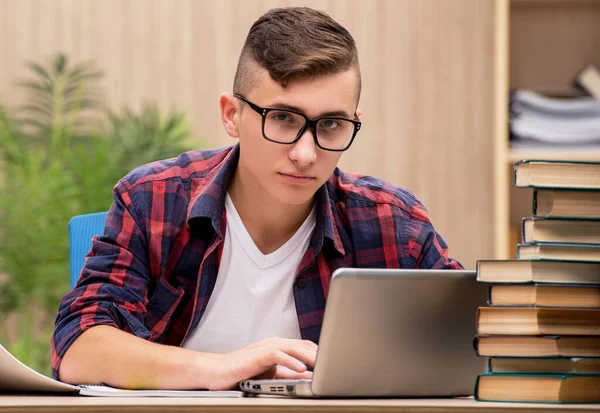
pixel 230 114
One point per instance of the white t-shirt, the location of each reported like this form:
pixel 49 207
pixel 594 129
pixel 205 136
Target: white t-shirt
pixel 253 296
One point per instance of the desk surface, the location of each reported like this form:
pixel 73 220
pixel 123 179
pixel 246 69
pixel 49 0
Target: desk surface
pixel 10 403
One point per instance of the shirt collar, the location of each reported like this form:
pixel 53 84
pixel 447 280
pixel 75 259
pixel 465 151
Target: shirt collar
pixel 208 201
pixel 326 218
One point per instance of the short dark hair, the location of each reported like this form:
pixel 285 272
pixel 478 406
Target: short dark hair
pixel 295 43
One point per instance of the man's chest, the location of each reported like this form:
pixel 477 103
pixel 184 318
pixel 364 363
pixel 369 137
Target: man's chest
pixel 188 273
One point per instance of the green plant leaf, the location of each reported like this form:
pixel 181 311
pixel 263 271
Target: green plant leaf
pixel 63 152
pixel 60 95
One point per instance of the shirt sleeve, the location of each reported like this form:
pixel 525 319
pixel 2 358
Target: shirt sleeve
pixel 113 286
pixel 425 245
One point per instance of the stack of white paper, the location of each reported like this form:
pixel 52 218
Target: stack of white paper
pixel 538 118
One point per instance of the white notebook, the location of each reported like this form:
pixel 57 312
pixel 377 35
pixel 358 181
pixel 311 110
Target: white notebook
pixel 17 377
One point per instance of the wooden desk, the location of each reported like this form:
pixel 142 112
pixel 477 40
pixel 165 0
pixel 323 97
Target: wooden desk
pixel 13 404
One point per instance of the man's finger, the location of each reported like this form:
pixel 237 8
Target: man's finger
pixel 285 373
pixel 311 345
pixel 302 353
pixel 282 358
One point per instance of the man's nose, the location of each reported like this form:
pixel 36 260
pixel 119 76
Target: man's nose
pixel 304 151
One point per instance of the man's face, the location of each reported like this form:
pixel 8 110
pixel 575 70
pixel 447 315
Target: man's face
pixel 291 174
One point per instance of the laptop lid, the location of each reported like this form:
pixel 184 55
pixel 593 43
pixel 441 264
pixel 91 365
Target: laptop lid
pixel 396 332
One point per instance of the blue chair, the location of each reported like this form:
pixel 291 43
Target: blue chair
pixel 81 230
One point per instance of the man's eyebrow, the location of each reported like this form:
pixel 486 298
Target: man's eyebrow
pixel 338 113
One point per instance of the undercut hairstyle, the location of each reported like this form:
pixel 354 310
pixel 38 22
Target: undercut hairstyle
pixel 295 43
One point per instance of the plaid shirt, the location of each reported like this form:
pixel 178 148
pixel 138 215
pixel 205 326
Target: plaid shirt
pixel 153 270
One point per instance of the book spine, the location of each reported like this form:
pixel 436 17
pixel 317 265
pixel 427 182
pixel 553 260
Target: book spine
pixel 534 202
pixel 478 269
pixel 476 346
pixel 523 241
pixel 519 251
pixel 489 300
pixel 476 388
pixel 516 167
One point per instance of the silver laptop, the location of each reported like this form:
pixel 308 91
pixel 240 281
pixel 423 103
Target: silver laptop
pixel 393 333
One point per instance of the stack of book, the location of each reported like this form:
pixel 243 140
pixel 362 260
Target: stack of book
pixel 541 329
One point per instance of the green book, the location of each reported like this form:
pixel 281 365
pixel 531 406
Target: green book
pixel 534 321
pixel 529 365
pixel 538 388
pixel 566 230
pixel 566 203
pixel 555 251
pixel 544 295
pixel 533 173
pixel 537 346
pixel 538 271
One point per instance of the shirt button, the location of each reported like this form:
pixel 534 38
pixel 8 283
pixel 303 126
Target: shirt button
pixel 301 284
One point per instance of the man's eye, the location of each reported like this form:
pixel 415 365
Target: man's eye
pixel 281 117
pixel 330 124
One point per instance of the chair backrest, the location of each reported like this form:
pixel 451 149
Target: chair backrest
pixel 81 230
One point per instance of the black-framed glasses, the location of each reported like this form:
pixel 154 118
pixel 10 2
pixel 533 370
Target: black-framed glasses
pixel 284 126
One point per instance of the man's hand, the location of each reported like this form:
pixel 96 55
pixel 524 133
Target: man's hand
pixel 279 358
pixel 105 354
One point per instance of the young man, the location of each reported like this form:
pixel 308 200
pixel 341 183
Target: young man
pixel 214 267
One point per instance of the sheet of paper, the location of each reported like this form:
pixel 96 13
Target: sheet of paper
pixel 16 376
pixel 105 391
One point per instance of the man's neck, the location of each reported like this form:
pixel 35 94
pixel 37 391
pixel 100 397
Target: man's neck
pixel 270 223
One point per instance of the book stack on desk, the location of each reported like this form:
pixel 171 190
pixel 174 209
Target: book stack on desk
pixel 541 329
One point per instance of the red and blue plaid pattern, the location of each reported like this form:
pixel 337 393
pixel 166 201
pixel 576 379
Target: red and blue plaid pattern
pixel 153 270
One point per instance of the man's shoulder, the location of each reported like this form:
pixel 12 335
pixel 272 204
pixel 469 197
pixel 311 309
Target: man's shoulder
pixel 365 189
pixel 186 167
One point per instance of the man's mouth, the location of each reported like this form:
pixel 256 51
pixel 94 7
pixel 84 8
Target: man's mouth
pixel 297 177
